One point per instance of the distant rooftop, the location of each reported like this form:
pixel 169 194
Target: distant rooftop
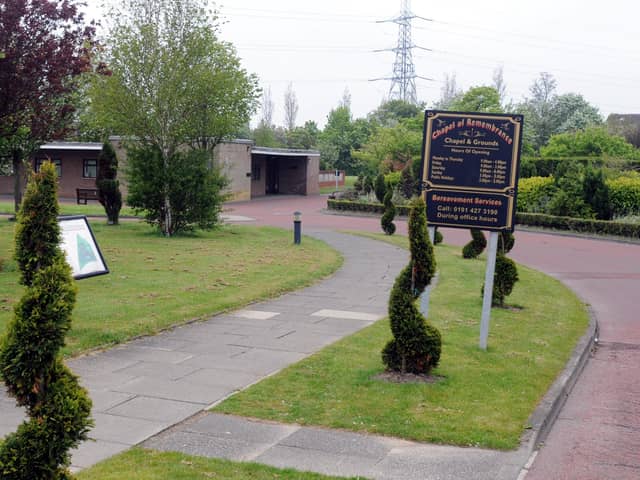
pixel 285 152
pixel 72 146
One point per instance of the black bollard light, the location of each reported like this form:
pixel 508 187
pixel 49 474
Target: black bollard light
pixel 297 228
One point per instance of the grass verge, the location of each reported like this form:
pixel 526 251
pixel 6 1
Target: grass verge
pixel 92 209
pixel 482 398
pixel 349 180
pixel 139 464
pixel 157 282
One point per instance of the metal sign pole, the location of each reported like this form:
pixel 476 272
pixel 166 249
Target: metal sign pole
pixel 488 289
pixel 424 298
pixel 337 178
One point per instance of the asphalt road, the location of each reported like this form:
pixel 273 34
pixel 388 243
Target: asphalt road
pixel 597 434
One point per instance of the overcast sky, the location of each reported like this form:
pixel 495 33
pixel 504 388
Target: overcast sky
pixel 590 47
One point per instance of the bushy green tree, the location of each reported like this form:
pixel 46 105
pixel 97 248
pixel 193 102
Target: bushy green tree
pixel 416 345
pixel 594 141
pixel 476 246
pixel 193 187
pixel 478 99
pixel 108 185
pixel 174 86
pixel 380 188
pixel 386 221
pixel 31 366
pixel 568 201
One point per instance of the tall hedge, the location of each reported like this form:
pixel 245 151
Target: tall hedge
pixel 416 345
pixel 30 362
pixel 476 246
pixel 386 221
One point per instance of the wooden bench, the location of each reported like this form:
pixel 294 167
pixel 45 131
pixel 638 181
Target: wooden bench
pixel 84 194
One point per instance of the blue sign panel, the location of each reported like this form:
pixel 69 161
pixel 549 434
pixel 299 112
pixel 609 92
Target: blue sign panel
pixel 470 168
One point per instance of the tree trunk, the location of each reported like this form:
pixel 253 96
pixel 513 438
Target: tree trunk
pixel 17 179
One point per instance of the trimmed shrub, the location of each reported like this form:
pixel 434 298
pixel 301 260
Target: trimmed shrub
pixel 367 186
pixel 596 193
pixel 416 345
pixel 476 246
pixel 358 185
pixel 504 278
pixel 407 182
pixel 109 194
pixel 389 214
pixel 437 237
pixel 582 225
pixel 506 241
pixel 534 194
pixel 380 188
pixel 30 363
pixel 624 195
pixel 422 258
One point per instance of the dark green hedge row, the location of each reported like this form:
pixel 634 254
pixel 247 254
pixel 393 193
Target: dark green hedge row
pixel 348 206
pixel 583 225
pixel 531 219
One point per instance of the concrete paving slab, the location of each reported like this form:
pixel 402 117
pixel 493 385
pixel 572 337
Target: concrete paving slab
pixel 97 363
pixel 339 442
pixel 326 313
pixel 207 446
pixel 218 377
pixel 95 381
pixel 130 431
pixel 155 409
pixel 103 400
pixel 156 370
pixel 93 451
pixel 252 360
pixel 255 314
pixel 179 390
pixel 239 429
pixel 145 354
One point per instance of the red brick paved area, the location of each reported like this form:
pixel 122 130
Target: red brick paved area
pixel 597 435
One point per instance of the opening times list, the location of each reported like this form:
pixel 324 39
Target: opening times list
pixel 476 170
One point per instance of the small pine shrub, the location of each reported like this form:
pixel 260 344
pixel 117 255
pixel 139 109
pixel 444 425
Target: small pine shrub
pixel 367 185
pixel 389 214
pixel 30 363
pixel 358 185
pixel 437 237
pixel 476 246
pixel 416 345
pixel 504 278
pixel 422 257
pixel 506 241
pixel 380 188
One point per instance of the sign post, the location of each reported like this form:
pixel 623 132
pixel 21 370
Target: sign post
pixel 470 164
pixel 337 177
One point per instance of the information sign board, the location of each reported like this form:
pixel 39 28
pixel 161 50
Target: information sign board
pixel 470 164
pixel 80 248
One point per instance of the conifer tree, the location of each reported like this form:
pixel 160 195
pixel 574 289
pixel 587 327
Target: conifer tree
pixel 389 214
pixel 416 344
pixel 30 361
pixel 108 186
pixel 476 246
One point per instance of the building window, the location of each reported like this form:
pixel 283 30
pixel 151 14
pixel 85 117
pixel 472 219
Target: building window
pixel 89 168
pixel 255 173
pixel 56 161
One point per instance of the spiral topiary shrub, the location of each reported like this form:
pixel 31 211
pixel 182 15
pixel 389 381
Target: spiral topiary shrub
pixel 30 364
pixel 416 345
pixel 380 188
pixel 504 278
pixel 476 246
pixel 389 214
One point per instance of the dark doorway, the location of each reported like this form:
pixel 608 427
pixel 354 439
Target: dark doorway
pixel 273 177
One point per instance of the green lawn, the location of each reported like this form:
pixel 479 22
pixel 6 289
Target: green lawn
pixel 139 464
pixel 349 180
pixel 482 399
pixel 157 282
pixel 90 209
